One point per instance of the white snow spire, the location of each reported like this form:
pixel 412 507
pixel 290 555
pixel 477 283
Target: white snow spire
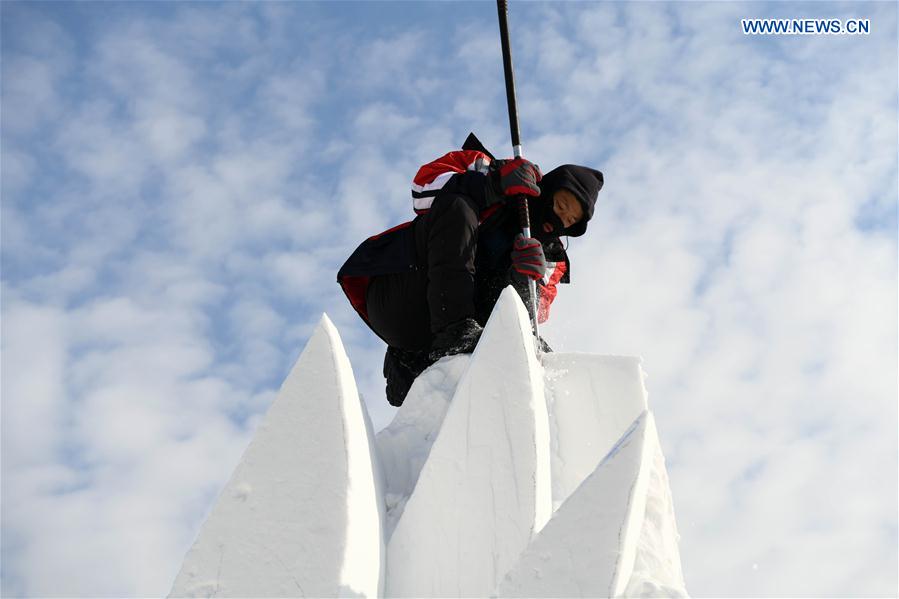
pixel 302 513
pixel 500 476
pixel 485 490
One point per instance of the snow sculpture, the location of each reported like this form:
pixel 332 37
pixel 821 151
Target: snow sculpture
pixel 593 400
pixel 500 476
pixel 590 547
pixel 302 514
pixel 486 489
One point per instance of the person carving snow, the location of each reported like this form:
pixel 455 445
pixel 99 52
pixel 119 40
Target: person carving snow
pixel 427 287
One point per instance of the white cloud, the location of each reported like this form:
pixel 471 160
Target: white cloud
pixel 169 245
pixel 289 96
pixel 118 395
pixel 18 171
pixel 30 95
pixel 103 149
pixel 390 62
pixel 136 66
pixel 169 134
pixel 35 342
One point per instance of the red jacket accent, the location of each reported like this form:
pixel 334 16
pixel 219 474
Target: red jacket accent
pixel 379 254
pixel 431 177
pixel 548 291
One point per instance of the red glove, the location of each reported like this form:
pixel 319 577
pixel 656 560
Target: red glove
pixel 518 176
pixel 528 258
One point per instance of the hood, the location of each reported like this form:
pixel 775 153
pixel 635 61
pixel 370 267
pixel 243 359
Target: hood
pixel 583 182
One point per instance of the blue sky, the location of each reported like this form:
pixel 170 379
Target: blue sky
pixel 181 182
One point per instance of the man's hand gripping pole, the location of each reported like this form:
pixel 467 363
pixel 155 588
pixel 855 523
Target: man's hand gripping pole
pixel 523 215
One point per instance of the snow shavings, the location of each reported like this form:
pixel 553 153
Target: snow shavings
pixel 242 492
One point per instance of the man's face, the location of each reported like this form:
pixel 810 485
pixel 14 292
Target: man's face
pixel 567 208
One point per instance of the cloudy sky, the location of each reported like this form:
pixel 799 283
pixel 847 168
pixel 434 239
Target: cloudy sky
pixel 181 182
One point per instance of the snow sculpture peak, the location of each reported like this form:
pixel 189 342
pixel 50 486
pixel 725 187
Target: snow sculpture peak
pixel 485 490
pixel 501 475
pixel 302 513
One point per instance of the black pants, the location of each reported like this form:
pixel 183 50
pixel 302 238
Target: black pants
pixel 407 308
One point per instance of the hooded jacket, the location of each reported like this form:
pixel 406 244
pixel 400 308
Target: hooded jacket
pixel 466 173
pixel 585 183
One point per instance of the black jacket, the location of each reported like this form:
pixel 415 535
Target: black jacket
pixel 394 251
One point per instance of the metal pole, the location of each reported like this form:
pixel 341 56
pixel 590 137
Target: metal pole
pixel 502 10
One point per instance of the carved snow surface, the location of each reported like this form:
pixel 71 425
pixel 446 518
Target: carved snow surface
pixel 657 568
pixel 302 514
pixel 593 401
pixel 404 445
pixel 485 489
pixel 614 536
pixel 454 497
pixel 595 404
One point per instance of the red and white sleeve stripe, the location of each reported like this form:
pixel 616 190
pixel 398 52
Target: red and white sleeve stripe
pixel 431 177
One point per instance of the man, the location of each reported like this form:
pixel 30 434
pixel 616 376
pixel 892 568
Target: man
pixel 427 287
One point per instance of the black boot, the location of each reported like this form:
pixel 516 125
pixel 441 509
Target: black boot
pixel 460 337
pixel 401 368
